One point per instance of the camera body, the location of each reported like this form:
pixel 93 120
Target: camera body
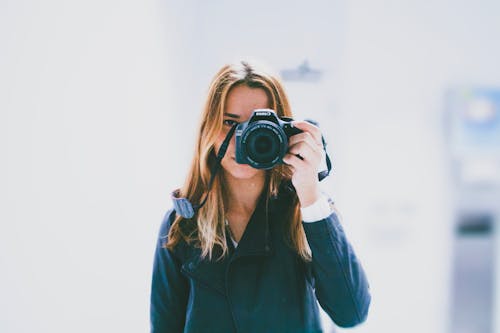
pixel 262 141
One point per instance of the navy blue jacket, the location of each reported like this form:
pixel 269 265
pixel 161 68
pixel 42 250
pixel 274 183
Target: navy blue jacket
pixel 263 285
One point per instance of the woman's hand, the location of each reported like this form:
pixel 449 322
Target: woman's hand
pixel 305 151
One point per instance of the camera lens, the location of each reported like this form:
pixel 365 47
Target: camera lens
pixel 264 144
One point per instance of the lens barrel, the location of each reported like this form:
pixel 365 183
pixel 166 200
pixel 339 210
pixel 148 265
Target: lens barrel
pixel 265 144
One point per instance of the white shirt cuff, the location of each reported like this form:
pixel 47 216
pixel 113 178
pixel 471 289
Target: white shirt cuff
pixel 317 211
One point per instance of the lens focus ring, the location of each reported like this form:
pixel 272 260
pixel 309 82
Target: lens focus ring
pixel 264 143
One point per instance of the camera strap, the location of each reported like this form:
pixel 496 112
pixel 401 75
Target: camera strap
pixel 183 206
pixel 323 174
pixel 186 209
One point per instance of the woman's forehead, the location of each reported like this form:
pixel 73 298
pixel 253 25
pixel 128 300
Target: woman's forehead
pixel 242 100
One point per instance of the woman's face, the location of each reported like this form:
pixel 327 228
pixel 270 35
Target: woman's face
pixel 240 103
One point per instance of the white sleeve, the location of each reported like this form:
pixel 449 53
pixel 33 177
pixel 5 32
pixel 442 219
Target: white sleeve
pixel 317 211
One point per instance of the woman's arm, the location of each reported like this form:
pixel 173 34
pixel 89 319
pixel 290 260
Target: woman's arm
pixel 169 288
pixel 340 282
pixel 341 286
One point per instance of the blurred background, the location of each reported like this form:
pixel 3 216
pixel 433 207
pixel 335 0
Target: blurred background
pixel 99 102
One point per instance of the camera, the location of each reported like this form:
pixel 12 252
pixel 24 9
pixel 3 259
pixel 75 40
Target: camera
pixel 262 141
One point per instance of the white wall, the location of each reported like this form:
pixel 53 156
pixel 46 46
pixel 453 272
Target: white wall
pixel 399 59
pixel 97 99
pixel 85 95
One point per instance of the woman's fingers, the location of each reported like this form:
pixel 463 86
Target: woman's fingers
pixel 312 155
pixel 307 127
pixel 305 137
pixel 294 161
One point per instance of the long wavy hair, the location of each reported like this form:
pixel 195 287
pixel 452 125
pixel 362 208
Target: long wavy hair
pixel 207 228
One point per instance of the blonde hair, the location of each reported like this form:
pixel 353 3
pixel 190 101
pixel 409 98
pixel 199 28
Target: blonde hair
pixel 207 228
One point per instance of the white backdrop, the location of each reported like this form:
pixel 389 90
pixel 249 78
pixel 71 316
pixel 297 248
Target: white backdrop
pixel 98 105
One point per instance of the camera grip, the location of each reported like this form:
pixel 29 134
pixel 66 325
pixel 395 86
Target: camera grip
pixel 290 130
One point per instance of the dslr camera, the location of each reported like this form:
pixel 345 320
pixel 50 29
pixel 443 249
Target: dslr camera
pixel 262 141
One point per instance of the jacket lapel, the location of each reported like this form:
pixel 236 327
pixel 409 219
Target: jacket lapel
pixel 256 240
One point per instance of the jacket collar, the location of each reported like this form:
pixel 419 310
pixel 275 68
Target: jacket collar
pixel 256 239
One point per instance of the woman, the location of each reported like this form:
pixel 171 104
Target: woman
pixel 267 243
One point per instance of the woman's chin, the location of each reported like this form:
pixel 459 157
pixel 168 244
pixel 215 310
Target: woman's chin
pixel 241 171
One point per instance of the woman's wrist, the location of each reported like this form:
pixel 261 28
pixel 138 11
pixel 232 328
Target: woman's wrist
pixel 308 195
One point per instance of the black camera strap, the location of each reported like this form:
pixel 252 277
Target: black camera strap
pixel 183 206
pixel 216 166
pixel 323 174
pixel 186 209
